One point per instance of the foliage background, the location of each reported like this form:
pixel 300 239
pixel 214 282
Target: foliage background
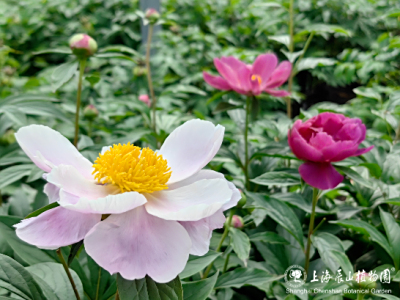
pixel 350 67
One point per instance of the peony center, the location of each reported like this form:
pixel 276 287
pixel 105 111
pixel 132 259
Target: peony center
pixel 256 78
pixel 132 169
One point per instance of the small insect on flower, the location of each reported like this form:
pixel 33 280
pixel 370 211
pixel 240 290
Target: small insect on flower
pixel 162 206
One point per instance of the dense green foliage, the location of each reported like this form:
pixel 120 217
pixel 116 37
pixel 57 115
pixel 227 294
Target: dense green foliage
pixel 351 66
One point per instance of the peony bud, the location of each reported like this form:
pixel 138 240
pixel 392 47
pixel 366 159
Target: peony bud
pixel 362 280
pixel 90 112
pixel 237 222
pixel 8 138
pixel 139 71
pixel 152 15
pixel 145 99
pixel 82 45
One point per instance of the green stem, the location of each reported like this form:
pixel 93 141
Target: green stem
pixel 223 237
pixel 246 144
pixel 291 49
pixel 360 296
pixel 319 225
pixel 311 228
pixel 226 263
pixel 397 133
pixel 82 64
pixel 98 284
pixel 90 128
pixel 149 81
pixel 117 295
pixel 306 45
pixel 71 280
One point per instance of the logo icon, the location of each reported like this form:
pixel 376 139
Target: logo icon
pixel 295 276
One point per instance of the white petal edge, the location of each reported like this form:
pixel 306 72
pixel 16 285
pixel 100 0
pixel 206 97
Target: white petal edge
pixel 190 147
pixel 111 204
pixel 48 148
pixel 55 228
pixel 200 232
pixel 191 202
pixel 136 244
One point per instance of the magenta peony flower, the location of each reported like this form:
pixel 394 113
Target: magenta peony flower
pixel 263 76
pixel 162 205
pixel 145 99
pixel 324 139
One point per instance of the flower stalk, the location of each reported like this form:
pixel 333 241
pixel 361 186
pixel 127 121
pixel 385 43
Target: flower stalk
pixel 71 280
pixel 82 65
pixel 98 284
pixel 291 49
pixel 311 227
pixel 223 237
pixel 246 144
pixel 149 80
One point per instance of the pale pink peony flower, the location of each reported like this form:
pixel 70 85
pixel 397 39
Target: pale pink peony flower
pixel 265 75
pixel 162 205
pixel 145 99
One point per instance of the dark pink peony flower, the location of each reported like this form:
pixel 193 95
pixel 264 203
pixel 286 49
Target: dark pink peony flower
pixel 263 76
pixel 324 139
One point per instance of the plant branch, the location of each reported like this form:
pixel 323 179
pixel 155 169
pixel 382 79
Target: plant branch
pixel 246 144
pixel 149 81
pixel 311 228
pixel 71 280
pixel 82 64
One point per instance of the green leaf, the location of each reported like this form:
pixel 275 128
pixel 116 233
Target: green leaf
pixel 280 213
pixel 198 263
pixel 394 201
pixel 355 176
pixel 120 48
pixel 42 210
pixel 199 290
pixel 63 73
pixel 283 39
pixel 14 278
pixel 367 229
pixel 61 50
pixel 313 62
pixel 268 237
pixel 115 55
pixel 216 97
pixel 14 173
pixel 224 106
pixel 27 253
pixel 326 28
pixel 393 234
pixel 148 289
pixel 244 276
pixel 10 220
pixel 74 250
pixel 387 296
pixel 240 243
pixel 54 276
pixel 277 178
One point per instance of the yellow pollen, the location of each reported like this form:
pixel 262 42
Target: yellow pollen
pixel 256 77
pixel 132 169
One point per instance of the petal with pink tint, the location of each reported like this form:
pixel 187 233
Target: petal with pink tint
pixel 244 85
pixel 210 174
pixel 226 72
pixel 71 181
pixel 352 131
pixel 233 62
pixel 55 228
pixel 277 93
pixel 190 147
pixel 52 191
pixel 216 82
pixel 200 232
pixel 264 66
pixel 192 202
pixel 111 204
pixel 322 176
pixel 300 147
pixel 339 151
pixel 47 148
pixel 363 151
pixel 321 140
pixel 279 76
pixel 136 244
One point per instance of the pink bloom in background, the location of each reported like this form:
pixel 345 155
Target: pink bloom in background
pixel 265 75
pixel 152 227
pixel 324 139
pixel 145 99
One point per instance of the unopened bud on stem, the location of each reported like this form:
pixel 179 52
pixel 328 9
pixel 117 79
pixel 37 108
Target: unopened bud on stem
pixel 82 45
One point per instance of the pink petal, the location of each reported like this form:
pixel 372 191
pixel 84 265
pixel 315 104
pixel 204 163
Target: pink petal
pixel 111 204
pixel 233 62
pixel 277 93
pixel 339 151
pixel 136 244
pixel 352 131
pixel 244 85
pixel 322 176
pixel 52 191
pixel 190 147
pixel 57 227
pixel 192 202
pixel 216 82
pixel 363 151
pixel 300 147
pixel 264 66
pixel 226 72
pixel 47 148
pixel 210 174
pixel 200 232
pixel 279 76
pixel 321 140
pixel 71 181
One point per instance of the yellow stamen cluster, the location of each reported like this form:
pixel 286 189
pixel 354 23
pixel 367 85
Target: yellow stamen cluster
pixel 132 169
pixel 256 77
